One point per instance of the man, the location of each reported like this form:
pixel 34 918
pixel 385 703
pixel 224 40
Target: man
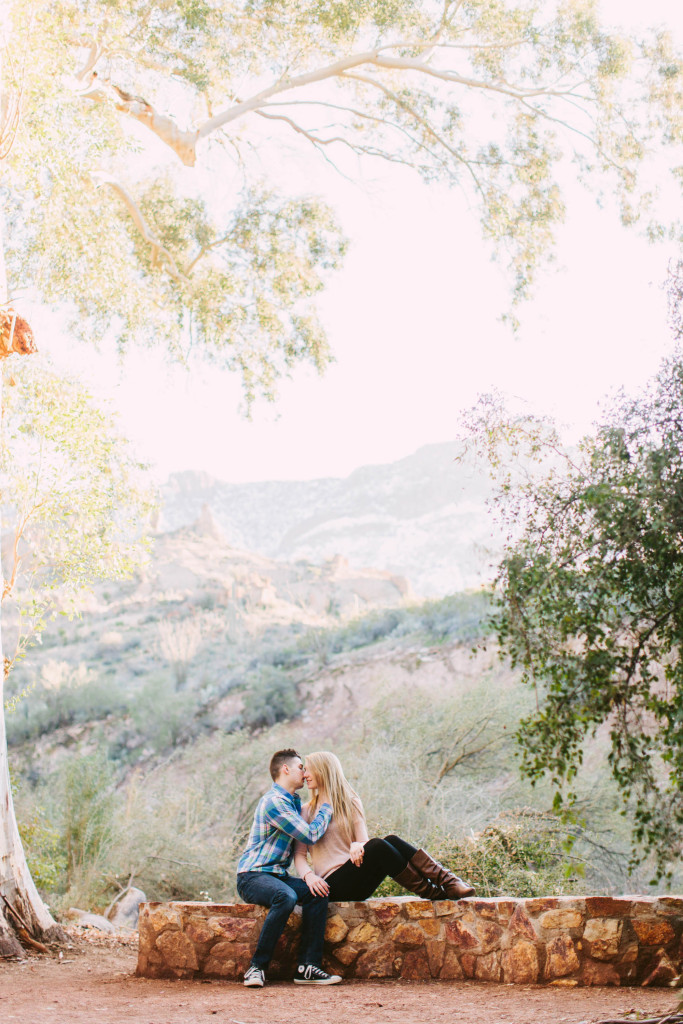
pixel 262 873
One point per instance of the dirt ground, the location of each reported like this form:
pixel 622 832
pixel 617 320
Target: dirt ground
pixel 93 983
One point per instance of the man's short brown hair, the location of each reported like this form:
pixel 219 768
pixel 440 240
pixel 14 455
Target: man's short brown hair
pixel 279 758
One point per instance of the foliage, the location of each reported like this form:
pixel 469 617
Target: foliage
pixel 62 695
pixel 76 495
pixel 590 606
pixel 87 808
pixel 521 853
pixel 271 697
pixel 44 850
pixel 485 95
pixel 179 641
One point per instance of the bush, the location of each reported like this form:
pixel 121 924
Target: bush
pixel 522 853
pixel 270 698
pixel 88 804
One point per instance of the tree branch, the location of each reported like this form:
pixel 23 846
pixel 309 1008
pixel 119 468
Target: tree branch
pixel 181 142
pixel 160 253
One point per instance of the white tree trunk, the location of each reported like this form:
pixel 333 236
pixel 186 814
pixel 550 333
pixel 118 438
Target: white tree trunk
pixel 28 917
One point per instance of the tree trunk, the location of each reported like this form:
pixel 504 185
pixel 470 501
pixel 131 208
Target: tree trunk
pixel 23 915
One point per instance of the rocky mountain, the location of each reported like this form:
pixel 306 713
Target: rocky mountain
pixel 422 517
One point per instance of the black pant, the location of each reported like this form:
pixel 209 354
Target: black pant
pixel 382 857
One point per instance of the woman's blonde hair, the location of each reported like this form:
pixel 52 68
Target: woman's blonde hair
pixel 346 804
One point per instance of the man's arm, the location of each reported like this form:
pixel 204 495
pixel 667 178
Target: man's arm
pixel 281 814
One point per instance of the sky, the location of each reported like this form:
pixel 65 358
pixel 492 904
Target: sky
pixel 413 319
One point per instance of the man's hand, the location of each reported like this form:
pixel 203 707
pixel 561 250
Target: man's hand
pixel 356 854
pixel 316 884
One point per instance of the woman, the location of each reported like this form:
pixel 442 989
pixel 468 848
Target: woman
pixel 346 864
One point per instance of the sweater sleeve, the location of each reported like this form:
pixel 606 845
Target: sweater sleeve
pixel 282 815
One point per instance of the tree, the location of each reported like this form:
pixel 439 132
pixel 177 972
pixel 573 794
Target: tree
pixel 106 104
pixel 76 499
pixel 590 600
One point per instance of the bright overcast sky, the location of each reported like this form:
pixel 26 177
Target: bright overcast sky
pixel 413 322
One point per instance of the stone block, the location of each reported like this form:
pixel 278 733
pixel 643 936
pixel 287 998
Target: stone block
pixel 159 917
pixel 418 909
pixel 505 908
pixel 520 963
pixel 560 958
pixel 406 934
pixel 415 966
pixel 387 912
pixel 520 924
pixel 540 904
pixel 234 929
pixel 431 928
pixel 489 936
pixel 468 962
pixel 607 906
pixel 346 954
pixel 436 949
pixel 603 937
pixel 460 936
pixel 177 951
pixel 227 960
pixel 599 974
pixel 336 929
pixel 487 968
pixel 563 918
pixel 364 934
pixel 199 932
pixel 445 907
pixel 378 962
pixel 663 972
pixel 670 905
pixel 653 932
pixel 450 968
pixel 484 908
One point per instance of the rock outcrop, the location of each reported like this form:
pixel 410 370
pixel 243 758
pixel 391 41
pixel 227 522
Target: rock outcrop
pixel 626 940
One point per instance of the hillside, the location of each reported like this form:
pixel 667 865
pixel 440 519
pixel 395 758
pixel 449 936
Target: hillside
pixel 422 517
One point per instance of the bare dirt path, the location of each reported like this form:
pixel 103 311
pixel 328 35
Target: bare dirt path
pixel 93 983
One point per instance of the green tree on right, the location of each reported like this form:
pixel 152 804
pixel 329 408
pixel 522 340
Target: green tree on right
pixel 589 592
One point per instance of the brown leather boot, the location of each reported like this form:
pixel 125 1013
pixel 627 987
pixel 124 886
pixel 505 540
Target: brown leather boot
pixel 454 887
pixel 413 881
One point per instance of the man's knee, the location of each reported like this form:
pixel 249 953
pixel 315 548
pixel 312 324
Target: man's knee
pixel 285 898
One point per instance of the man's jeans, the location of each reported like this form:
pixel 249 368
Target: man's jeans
pixel 281 894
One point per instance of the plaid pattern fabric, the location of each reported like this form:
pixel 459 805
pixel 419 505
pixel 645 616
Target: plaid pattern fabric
pixel 277 823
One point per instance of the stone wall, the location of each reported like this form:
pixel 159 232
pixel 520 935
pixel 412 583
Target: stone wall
pixel 599 940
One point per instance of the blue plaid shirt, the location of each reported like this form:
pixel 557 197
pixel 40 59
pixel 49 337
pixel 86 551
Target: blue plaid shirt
pixel 277 823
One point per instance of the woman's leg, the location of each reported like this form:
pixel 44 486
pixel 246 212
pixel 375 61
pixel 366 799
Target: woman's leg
pixel 452 887
pixel 351 882
pixel 405 849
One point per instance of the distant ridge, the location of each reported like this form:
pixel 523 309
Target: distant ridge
pixel 422 517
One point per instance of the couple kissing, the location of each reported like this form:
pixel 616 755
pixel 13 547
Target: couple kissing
pixel 345 863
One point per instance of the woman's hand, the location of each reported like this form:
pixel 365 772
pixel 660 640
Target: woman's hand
pixel 317 885
pixel 356 853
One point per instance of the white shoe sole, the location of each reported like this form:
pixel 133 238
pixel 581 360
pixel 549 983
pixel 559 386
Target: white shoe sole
pixel 327 981
pixel 253 983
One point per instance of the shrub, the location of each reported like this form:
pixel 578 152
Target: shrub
pixel 522 853
pixel 270 698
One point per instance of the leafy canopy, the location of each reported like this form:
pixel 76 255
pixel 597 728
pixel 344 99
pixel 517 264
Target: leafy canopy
pixel 590 600
pixel 73 491
pixel 121 98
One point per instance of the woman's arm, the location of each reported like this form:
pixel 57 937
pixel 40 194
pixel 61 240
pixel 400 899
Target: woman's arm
pixel 317 885
pixel 360 836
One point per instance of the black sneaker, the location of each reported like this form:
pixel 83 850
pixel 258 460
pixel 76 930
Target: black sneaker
pixel 309 974
pixel 254 977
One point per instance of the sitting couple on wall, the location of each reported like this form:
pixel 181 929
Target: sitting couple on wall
pixel 345 863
